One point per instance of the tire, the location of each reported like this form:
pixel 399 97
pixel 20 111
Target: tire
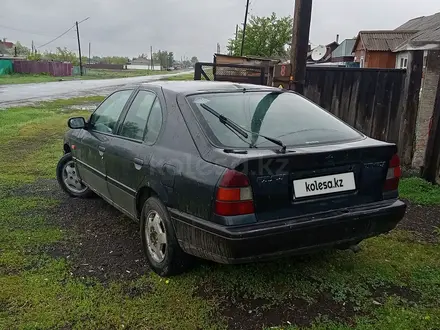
pixel 63 163
pixel 171 260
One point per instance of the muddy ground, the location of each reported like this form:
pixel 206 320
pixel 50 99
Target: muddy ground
pixel 106 246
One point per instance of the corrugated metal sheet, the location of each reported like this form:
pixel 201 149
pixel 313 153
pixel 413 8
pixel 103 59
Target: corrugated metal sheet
pixel 421 23
pixel 5 67
pixel 430 35
pixel 428 28
pixel 384 40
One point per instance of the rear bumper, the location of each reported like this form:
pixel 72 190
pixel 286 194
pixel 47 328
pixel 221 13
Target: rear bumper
pixel 240 244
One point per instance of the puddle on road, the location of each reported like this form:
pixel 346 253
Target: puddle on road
pixel 89 107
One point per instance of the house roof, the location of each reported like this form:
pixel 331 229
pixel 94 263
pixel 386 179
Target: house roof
pixel 141 61
pixel 384 41
pixel 344 49
pixel 427 37
pixel 421 23
pixel 7 44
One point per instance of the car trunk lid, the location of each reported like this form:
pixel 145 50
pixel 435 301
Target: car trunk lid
pixel 316 179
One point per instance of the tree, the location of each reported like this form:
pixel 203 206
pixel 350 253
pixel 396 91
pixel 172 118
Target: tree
pixel 35 57
pixel 62 55
pixel 21 50
pixel 162 57
pixel 4 50
pixel 265 36
pixel 187 64
pixel 114 60
pixel 170 59
pixel 194 60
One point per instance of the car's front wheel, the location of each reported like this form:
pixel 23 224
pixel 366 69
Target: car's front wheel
pixel 159 241
pixel 68 178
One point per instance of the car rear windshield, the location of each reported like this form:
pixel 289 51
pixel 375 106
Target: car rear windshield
pixel 286 116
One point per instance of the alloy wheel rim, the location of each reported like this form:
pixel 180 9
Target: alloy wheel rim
pixel 156 236
pixel 71 178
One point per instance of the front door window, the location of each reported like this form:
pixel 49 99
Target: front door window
pixel 105 118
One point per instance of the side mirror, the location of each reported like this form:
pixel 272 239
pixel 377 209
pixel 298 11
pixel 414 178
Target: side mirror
pixel 76 123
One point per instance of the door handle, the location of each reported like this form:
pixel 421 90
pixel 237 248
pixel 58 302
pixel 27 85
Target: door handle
pixel 101 150
pixel 138 163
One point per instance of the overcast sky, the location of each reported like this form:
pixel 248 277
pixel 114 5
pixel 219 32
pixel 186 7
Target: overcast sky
pixel 190 27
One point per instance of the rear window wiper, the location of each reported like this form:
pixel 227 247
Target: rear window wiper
pixel 240 130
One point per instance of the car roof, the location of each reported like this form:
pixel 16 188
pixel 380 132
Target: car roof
pixel 195 86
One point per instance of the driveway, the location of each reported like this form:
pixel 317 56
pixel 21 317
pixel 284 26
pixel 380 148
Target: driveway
pixel 13 95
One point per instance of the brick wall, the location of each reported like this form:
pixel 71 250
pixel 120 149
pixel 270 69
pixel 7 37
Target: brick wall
pixel 426 106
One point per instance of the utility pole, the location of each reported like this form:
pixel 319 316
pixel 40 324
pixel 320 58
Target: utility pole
pixel 300 42
pixel 32 52
pixel 151 59
pixel 90 47
pixel 79 49
pixel 244 26
pixel 160 59
pixel 235 41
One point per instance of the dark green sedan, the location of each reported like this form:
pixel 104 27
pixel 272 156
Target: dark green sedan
pixel 231 172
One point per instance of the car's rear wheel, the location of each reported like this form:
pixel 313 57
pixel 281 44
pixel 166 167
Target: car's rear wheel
pixel 159 241
pixel 68 178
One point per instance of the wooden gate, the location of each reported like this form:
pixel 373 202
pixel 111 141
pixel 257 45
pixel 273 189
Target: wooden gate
pixel 230 72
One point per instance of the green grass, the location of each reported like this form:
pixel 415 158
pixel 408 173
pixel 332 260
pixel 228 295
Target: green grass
pixel 31 138
pixel 22 78
pixel 186 76
pixel 392 283
pixel 38 291
pixel 109 74
pixel 18 78
pixel 420 191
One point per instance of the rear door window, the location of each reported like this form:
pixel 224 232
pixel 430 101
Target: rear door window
pixel 154 123
pixel 137 116
pixel 288 117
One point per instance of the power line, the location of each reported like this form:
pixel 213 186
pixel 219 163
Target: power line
pixel 26 31
pixel 64 33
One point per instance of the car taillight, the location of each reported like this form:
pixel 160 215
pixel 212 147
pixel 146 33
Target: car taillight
pixel 234 195
pixel 393 175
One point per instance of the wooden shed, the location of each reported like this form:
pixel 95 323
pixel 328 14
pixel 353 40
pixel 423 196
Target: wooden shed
pixel 373 49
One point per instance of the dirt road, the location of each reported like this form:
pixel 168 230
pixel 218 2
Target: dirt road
pixel 13 95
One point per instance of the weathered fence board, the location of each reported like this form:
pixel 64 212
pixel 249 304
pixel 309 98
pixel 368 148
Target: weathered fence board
pixel 368 99
pixel 409 106
pixel 432 155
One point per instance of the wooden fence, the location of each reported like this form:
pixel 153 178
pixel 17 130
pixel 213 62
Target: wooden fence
pixel 367 99
pixel 381 103
pixel 56 69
